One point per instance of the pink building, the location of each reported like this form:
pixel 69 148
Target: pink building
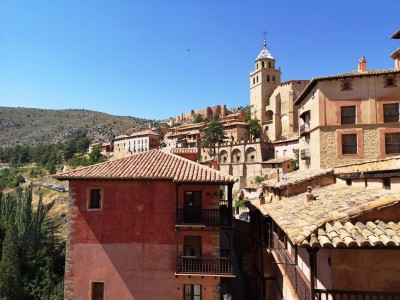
pixel 149 226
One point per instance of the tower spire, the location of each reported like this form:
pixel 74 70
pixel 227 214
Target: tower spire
pixel 265 40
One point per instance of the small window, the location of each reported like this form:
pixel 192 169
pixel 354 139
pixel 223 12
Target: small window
pixel 192 291
pixel 257 79
pixel 263 64
pixel 273 78
pixel 254 80
pixel 348 114
pixel 267 78
pixel 346 85
pixel 390 81
pixel 391 112
pixel 95 199
pixel 349 182
pixel 386 183
pixel 349 143
pixel 97 290
pixel 392 143
pixel 269 64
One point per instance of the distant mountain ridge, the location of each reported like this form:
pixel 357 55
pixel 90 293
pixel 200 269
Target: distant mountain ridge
pixel 30 126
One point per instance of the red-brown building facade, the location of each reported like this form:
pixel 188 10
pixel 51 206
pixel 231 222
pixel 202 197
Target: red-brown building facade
pixel 149 226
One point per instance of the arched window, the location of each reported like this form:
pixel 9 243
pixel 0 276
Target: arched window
pixel 236 156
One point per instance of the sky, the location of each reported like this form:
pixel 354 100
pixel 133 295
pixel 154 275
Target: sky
pixel 156 59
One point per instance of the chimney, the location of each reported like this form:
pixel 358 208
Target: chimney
pixel 362 64
pixel 261 197
pixel 309 195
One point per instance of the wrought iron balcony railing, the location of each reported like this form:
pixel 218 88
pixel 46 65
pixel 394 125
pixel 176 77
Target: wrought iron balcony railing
pixel 208 217
pixel 305 128
pixel 204 265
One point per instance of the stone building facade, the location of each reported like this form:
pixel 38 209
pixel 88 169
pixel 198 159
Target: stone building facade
pixel 350 117
pixel 136 142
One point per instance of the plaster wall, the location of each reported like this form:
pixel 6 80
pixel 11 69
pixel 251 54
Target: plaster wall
pixel 368 270
pixel 130 243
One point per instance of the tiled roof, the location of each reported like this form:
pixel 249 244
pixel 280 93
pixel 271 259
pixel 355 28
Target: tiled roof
pixel 349 235
pixel 385 164
pixel 144 132
pixel 315 80
pixel 296 177
pixel 334 203
pixel 396 35
pixel 278 160
pixel 151 165
pixel 184 150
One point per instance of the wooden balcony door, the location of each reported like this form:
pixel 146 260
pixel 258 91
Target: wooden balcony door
pixel 192 207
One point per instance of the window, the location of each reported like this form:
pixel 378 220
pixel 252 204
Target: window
pixel 346 85
pixel 192 246
pixel 97 290
pixel 257 79
pixel 390 81
pixel 349 182
pixel 192 291
pixel 349 143
pixel 348 114
pixel 391 112
pixel 254 80
pixel 269 64
pixel 386 183
pixel 392 143
pixel 95 199
pixel 273 78
pixel 267 78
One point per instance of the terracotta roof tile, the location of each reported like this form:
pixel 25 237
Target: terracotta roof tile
pixel 296 177
pixel 151 165
pixel 354 235
pixel 299 220
pixel 184 150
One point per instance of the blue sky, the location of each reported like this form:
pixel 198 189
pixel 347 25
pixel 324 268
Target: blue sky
pixel 131 57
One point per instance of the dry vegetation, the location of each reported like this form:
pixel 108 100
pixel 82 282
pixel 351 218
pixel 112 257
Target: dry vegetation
pixel 29 126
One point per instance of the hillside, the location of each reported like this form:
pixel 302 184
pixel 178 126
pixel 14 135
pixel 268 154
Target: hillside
pixel 32 126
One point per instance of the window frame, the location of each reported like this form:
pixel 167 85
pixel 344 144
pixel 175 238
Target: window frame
pixel 190 294
pixel 348 117
pixel 346 145
pixel 92 283
pixel 387 115
pixel 89 199
pixel 346 85
pixel 391 143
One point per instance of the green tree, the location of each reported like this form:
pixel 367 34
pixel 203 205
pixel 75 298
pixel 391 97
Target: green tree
pixel 198 118
pixel 11 285
pixel 254 128
pixel 213 134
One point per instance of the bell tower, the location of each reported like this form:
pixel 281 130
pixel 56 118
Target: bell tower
pixel 262 83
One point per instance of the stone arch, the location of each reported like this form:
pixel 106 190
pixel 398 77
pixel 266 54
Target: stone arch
pixel 236 156
pixel 223 157
pixel 251 154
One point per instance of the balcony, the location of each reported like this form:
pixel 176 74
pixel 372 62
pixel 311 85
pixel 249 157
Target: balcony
pixel 304 129
pixel 204 265
pixel 355 295
pixel 207 217
pixel 305 153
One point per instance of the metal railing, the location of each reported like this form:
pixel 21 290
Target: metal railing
pixel 305 128
pixel 204 265
pixel 305 153
pixel 208 217
pixel 355 295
